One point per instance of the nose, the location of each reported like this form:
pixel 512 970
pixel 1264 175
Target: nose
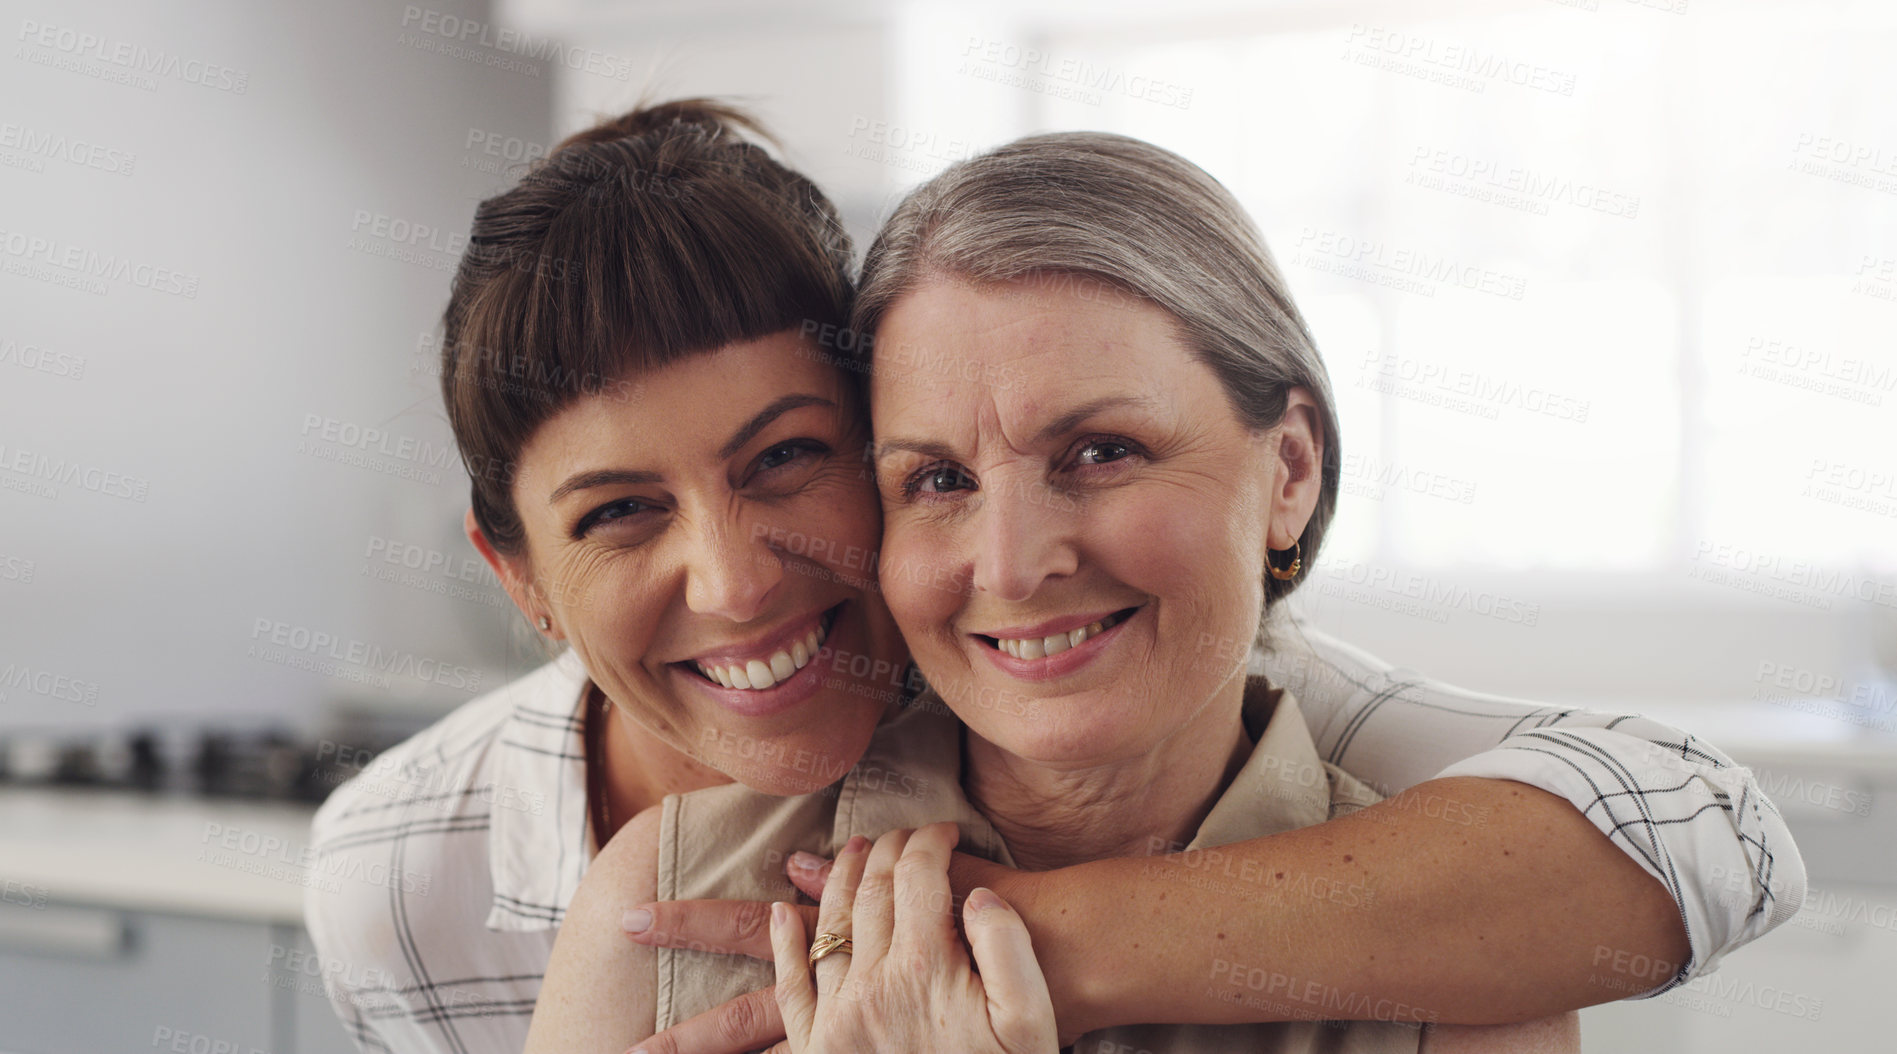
pixel 1022 536
pixel 732 569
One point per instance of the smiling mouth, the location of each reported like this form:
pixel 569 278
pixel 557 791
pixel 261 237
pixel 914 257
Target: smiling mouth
pixel 1054 644
pixel 757 674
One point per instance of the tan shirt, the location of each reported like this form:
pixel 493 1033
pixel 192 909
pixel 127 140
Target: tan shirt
pixel 730 842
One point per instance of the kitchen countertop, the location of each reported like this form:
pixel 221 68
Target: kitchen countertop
pixel 219 858
pixel 250 861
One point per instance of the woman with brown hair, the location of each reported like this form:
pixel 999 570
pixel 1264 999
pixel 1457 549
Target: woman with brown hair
pixel 669 477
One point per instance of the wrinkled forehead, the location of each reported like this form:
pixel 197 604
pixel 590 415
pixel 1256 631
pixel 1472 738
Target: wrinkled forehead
pixel 1024 353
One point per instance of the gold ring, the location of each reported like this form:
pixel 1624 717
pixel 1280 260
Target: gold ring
pixel 827 943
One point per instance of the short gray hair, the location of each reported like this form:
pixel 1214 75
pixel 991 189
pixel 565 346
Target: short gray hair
pixel 1143 221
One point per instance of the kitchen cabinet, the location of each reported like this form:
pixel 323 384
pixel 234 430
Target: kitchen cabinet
pixel 82 978
pixel 139 923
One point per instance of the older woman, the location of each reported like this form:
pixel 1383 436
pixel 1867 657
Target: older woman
pixel 668 478
pixel 1186 430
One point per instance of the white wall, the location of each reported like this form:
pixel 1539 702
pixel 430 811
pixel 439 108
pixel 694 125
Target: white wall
pixel 255 186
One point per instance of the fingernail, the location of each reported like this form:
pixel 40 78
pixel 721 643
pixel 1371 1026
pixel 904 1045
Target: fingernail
pixel 638 920
pixel 981 898
pixel 856 844
pixel 780 914
pixel 803 861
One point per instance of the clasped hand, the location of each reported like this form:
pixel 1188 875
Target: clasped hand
pixel 907 983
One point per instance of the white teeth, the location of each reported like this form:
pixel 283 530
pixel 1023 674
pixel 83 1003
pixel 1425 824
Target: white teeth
pixel 1054 644
pixel 757 674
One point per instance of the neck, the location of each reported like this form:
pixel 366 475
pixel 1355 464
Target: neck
pixel 1052 816
pixel 640 769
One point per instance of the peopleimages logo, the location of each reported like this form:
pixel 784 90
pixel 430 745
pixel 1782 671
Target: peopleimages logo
pixel 387 662
pixel 79 46
pixel 42 144
pixel 1398 267
pixel 460 31
pixel 1066 77
pixel 91 270
pixel 68 473
pixel 56 686
pixel 41 360
pixel 1433 598
pixel 1513 186
pixel 1412 377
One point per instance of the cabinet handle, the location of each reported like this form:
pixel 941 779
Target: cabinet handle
pixel 80 933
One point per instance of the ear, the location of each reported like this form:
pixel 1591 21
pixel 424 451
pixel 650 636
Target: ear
pixel 1295 452
pixel 514 576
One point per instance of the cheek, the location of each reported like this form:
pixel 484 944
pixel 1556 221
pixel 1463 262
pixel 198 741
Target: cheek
pixel 844 524
pixel 607 604
pixel 918 575
pixel 1199 555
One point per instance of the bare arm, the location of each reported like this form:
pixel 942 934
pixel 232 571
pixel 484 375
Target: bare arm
pixel 1488 908
pixel 1465 901
pixel 600 989
pixel 1674 804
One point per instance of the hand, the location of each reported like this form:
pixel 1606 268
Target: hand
pixel 742 927
pixel 808 872
pixel 735 927
pixel 908 983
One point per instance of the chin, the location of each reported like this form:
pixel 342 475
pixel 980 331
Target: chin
pixel 799 762
pixel 1060 733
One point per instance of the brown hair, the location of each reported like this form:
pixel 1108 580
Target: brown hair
pixel 1147 224
pixel 657 235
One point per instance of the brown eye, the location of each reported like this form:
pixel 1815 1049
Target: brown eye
pixel 785 468
pixel 781 455
pixel 1101 451
pixel 624 508
pixel 939 479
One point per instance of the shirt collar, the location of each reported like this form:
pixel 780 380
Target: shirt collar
pixel 1282 786
pixel 913 769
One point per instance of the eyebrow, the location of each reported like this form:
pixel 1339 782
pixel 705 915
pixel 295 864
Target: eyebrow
pixel 782 405
pixel 746 432
pixel 1054 429
pixel 605 477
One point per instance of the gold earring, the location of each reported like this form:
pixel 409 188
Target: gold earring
pixel 1288 573
pixel 545 623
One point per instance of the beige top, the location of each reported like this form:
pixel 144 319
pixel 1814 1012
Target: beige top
pixel 730 842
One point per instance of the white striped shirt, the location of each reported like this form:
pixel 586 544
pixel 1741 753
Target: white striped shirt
pixel 478 827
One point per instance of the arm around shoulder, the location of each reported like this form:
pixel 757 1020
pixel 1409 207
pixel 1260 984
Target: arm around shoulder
pixel 600 989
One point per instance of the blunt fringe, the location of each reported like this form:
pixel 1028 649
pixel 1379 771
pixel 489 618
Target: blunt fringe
pixel 657 235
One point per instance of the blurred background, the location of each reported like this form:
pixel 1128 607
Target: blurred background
pixel 1607 289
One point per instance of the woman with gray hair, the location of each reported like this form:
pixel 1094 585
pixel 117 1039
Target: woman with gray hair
pixel 1106 448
